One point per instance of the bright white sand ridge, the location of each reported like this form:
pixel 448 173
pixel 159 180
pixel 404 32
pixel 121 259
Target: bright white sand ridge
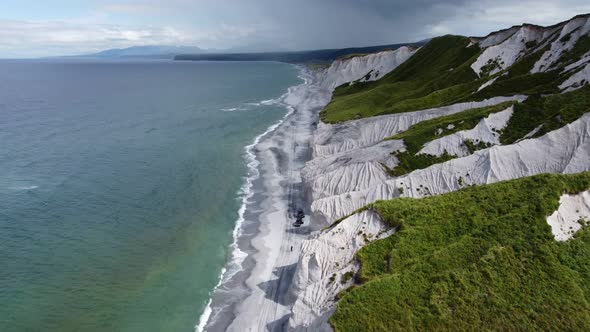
pixel 572 214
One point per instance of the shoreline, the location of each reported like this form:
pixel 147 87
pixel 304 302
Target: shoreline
pixel 256 279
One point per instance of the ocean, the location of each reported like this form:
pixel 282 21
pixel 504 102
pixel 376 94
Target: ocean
pixel 121 183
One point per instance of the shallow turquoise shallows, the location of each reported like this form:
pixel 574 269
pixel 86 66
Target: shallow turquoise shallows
pixel 119 187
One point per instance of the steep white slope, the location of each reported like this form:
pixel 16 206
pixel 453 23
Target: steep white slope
pixel 506 53
pixel 374 65
pixel 486 131
pixel 324 260
pixel 577 80
pixel 566 150
pixel 569 35
pixel 335 138
pixel 497 37
pixel 329 254
pixel 352 170
pixel 585 59
pixel 572 214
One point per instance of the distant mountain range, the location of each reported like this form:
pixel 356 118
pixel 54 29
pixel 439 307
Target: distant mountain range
pixel 312 56
pixel 148 51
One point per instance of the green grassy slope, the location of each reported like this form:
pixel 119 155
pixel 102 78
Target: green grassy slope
pixel 479 259
pixel 552 112
pixel 434 75
pixel 439 74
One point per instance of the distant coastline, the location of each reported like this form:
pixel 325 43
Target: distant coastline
pixel 314 56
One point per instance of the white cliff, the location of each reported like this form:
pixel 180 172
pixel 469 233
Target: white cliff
pixel 570 32
pixel 326 265
pixel 365 68
pixel 354 170
pixel 497 37
pixel 512 48
pixel 566 150
pixel 329 254
pixel 348 168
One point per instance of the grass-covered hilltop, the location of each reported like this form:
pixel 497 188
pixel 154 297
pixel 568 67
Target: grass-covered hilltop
pixel 449 70
pixel 482 258
pixel 452 193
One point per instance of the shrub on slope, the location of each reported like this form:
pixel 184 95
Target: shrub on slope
pixel 419 134
pixel 482 258
pixel 547 112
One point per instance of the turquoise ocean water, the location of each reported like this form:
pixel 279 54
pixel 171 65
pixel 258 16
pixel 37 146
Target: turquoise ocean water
pixel 119 187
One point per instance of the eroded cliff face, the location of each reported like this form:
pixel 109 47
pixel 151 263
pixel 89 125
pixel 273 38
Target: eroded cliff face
pixel 350 163
pixel 356 178
pixel 364 68
pixel 566 150
pixel 505 47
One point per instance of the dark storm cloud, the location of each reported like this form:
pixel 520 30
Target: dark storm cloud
pixel 337 23
pixel 92 25
pixel 309 24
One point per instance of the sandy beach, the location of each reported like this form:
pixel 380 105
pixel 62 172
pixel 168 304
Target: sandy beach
pixel 253 293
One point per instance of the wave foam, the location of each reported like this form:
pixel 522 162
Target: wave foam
pixel 245 193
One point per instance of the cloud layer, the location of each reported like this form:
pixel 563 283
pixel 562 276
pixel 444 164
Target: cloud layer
pixel 261 24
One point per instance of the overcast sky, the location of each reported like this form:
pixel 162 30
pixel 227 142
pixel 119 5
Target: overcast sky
pixel 31 28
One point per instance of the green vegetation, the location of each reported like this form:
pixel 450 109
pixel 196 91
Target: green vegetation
pixel 490 66
pixel 581 47
pixel 419 134
pixel 350 56
pixel 527 84
pixel 332 279
pixel 409 162
pixel 346 277
pixel 519 80
pixel 437 74
pixel 479 259
pixel 475 146
pixel 531 44
pixel 552 112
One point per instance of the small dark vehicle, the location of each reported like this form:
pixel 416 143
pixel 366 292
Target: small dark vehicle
pixel 300 214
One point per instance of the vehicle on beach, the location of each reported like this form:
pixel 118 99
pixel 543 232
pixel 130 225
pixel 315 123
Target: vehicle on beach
pixel 299 218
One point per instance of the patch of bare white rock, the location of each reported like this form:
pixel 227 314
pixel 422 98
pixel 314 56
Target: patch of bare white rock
pixel 573 213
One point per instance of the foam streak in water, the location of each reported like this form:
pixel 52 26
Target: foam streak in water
pixel 238 256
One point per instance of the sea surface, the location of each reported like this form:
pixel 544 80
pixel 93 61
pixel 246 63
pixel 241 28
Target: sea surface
pixel 121 184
